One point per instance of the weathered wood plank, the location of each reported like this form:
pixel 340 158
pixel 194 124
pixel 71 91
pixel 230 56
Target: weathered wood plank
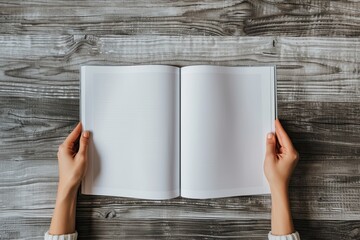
pixel 308 69
pixel 33 128
pixel 166 17
pixel 321 128
pixel 323 192
pixel 216 229
pixel 342 230
pixel 89 228
pixel 105 228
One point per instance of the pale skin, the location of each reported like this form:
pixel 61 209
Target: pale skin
pixel 72 158
pixel 280 161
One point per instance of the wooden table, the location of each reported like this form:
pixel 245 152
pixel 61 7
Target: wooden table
pixel 315 45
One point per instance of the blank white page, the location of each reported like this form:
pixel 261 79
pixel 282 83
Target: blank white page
pixel 226 113
pixel 132 113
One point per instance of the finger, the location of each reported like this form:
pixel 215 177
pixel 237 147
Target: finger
pixel 84 142
pixel 277 133
pixel 73 136
pixel 282 136
pixel 270 145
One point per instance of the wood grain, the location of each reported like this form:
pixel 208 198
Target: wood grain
pixel 39 106
pixel 105 228
pixel 188 17
pixel 307 68
pixel 315 45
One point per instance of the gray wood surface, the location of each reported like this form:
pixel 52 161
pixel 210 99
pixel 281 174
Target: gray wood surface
pixel 315 45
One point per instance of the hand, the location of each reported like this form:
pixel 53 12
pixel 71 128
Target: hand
pixel 280 161
pixel 281 158
pixel 72 158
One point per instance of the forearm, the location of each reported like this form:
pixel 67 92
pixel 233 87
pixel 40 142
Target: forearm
pixel 281 220
pixel 63 220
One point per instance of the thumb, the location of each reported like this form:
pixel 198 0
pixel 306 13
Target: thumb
pixel 84 142
pixel 270 145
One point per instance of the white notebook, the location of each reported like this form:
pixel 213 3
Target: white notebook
pixel 159 132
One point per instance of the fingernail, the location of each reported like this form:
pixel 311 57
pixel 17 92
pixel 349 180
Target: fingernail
pixel 270 135
pixel 86 134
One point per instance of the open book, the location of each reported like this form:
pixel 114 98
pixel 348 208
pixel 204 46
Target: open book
pixel 159 132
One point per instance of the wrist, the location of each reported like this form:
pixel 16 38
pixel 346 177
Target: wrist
pixel 67 192
pixel 279 191
pixel 278 187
